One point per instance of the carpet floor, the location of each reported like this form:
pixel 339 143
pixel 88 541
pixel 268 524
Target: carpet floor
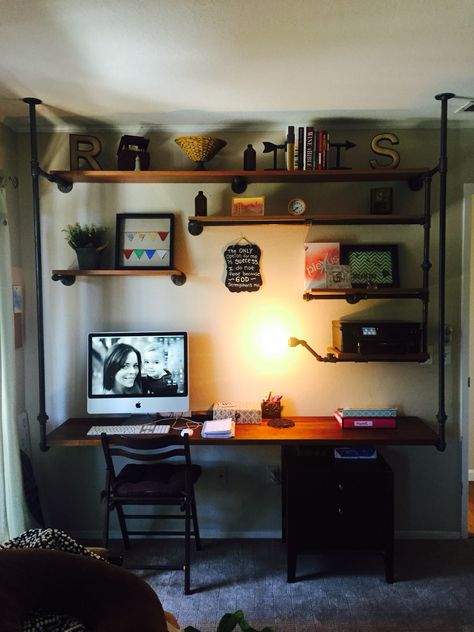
pixel 433 589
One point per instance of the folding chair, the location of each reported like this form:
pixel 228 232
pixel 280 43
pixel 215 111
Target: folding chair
pixel 159 472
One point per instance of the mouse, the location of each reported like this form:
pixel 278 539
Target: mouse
pixel 187 431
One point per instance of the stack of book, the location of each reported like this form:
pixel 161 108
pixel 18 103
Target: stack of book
pixel 366 417
pixel 311 148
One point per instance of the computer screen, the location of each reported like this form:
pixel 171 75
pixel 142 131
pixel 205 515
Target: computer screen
pixel 137 372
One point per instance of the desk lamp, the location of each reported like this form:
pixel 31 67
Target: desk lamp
pixel 294 342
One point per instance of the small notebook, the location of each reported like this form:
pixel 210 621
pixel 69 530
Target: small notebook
pixel 218 428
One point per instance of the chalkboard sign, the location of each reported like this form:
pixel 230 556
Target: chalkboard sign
pixel 243 268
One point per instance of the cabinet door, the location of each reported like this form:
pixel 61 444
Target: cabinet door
pixel 328 508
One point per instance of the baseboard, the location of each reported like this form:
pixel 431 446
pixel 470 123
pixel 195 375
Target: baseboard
pixel 273 534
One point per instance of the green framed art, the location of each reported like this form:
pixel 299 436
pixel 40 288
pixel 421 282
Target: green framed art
pixel 373 265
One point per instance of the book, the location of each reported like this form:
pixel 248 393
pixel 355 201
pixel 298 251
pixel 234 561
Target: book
pixel 365 422
pixel 218 428
pixel 318 255
pixel 309 159
pixel 301 152
pixel 368 412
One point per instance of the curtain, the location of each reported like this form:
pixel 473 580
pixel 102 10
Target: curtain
pixel 12 517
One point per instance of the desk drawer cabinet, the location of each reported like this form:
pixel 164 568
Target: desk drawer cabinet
pixel 334 505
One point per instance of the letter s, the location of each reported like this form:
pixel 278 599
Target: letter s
pixel 384 151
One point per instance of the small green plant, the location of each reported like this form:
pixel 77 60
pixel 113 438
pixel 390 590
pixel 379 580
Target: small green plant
pixel 86 236
pixel 229 621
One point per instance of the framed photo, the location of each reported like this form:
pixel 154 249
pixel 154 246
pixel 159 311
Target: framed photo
pixel 372 265
pixel 381 200
pixel 338 276
pixel 144 241
pixel 248 206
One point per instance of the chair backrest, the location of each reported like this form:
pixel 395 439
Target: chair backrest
pixel 147 449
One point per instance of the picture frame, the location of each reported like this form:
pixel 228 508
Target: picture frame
pixel 372 265
pixel 248 206
pixel 338 276
pixel 144 241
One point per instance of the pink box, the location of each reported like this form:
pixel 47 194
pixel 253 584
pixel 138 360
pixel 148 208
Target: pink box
pixel 318 255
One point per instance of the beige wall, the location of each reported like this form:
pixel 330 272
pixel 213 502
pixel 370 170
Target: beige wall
pixel 225 328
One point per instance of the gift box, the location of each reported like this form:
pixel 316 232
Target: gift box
pixel 240 413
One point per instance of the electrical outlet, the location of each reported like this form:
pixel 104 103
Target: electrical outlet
pixel 221 474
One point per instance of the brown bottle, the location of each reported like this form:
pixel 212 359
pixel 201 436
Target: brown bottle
pixel 250 159
pixel 200 204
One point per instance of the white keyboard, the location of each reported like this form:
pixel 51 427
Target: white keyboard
pixel 151 429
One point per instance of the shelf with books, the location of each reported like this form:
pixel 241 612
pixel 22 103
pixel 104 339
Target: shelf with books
pixel 412 176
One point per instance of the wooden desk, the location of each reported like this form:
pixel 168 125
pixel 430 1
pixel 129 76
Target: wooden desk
pixel 307 430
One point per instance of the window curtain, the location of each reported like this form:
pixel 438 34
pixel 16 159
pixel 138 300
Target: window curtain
pixel 12 516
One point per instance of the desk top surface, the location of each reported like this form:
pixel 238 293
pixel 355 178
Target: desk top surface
pixel 307 430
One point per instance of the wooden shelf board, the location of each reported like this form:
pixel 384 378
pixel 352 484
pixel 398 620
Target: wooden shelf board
pixel 336 219
pixel 379 357
pixel 169 176
pixel 128 272
pixel 363 293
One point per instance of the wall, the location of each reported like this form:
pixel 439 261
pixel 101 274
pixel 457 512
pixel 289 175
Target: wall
pixel 225 329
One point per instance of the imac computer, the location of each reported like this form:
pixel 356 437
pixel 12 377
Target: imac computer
pixel 137 373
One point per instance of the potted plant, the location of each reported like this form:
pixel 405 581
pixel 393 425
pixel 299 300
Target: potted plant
pixel 230 621
pixel 88 240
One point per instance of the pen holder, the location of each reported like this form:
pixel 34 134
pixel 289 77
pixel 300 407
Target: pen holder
pixel 271 410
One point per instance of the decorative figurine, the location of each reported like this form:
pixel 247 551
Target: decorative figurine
pixel 268 147
pixel 385 151
pixel 339 146
pixel 250 159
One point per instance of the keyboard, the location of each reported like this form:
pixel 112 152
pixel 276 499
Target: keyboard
pixel 150 429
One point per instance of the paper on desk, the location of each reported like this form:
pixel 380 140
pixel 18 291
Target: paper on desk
pixel 218 428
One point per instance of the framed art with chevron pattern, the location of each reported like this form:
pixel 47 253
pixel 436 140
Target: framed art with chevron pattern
pixel 144 241
pixel 372 265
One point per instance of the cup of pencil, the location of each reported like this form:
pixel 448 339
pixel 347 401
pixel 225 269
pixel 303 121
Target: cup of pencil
pixel 271 407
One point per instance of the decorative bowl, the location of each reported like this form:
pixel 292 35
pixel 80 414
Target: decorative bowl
pixel 200 149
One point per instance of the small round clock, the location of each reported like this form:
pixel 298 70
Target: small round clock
pixel 296 206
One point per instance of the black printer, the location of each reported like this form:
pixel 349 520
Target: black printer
pixel 376 336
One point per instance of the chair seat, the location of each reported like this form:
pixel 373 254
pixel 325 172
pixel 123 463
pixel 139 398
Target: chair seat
pixel 153 480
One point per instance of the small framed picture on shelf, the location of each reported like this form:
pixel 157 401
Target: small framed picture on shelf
pixel 144 241
pixel 248 206
pixel 338 276
pixel 381 200
pixel 373 265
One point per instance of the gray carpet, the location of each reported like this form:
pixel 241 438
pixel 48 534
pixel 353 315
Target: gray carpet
pixel 434 587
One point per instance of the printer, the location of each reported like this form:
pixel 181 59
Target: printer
pixel 376 336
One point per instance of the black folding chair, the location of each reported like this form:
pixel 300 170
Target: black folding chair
pixel 157 471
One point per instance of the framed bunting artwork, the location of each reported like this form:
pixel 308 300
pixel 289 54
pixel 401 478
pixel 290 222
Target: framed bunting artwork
pixel 144 241
pixel 372 265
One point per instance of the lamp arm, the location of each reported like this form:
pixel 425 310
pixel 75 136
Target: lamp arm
pixel 293 342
